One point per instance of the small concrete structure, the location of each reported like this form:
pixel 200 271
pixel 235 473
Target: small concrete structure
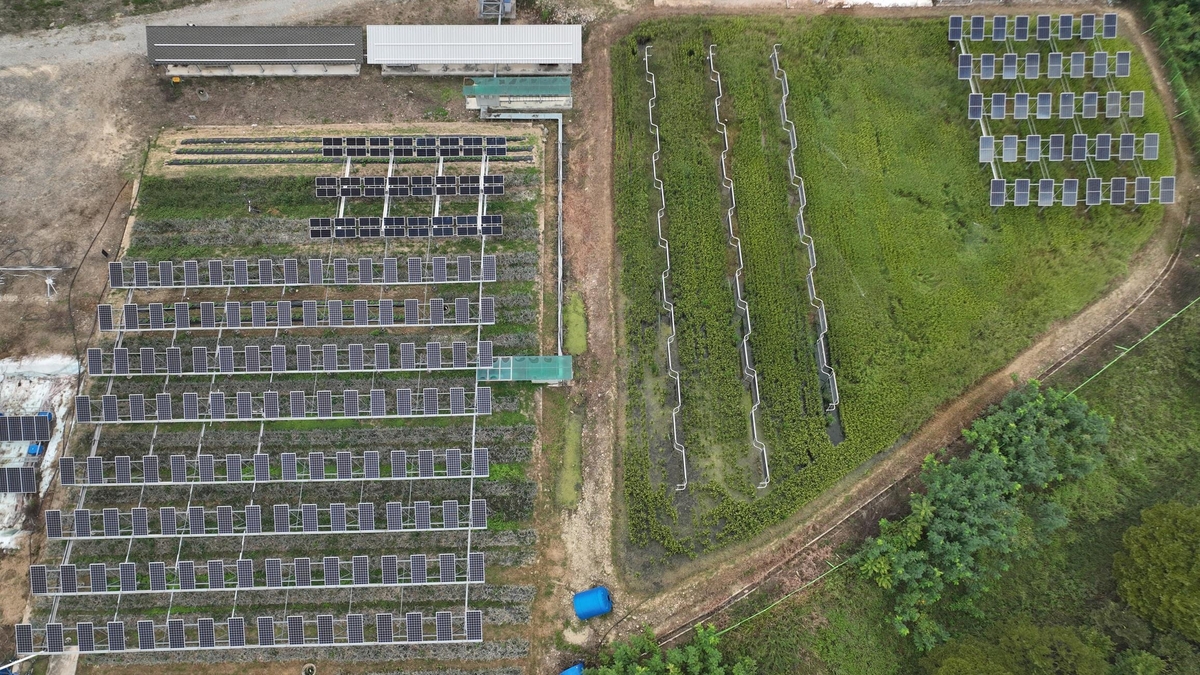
pixel 518 93
pixel 205 51
pixel 475 49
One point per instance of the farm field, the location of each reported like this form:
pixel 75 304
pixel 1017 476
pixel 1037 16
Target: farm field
pixel 260 212
pixel 927 288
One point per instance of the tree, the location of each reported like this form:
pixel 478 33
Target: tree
pixel 1045 436
pixel 641 655
pixel 1158 573
pixel 1138 662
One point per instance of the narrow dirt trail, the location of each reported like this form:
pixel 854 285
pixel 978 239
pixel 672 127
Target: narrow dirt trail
pixel 803 540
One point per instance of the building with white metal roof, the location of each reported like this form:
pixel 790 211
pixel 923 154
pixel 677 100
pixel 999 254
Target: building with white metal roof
pixel 475 49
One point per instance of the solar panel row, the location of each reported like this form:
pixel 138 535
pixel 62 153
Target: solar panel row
pixel 1001 28
pixel 1097 191
pixel 1011 66
pixel 405 226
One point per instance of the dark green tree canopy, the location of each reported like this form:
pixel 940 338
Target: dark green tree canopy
pixel 1158 573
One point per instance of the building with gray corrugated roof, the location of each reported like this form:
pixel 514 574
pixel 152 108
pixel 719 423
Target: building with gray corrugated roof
pixel 256 50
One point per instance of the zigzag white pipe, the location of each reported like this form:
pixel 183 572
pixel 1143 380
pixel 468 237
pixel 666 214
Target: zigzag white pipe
pixel 823 326
pixel 748 371
pixel 667 305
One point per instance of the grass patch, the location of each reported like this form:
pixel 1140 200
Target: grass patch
pixel 569 478
pixel 575 320
pixel 206 197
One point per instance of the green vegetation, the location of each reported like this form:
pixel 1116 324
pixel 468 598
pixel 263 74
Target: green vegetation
pixel 641 655
pixel 1175 24
pixel 570 469
pixel 1056 603
pixel 575 324
pixel 921 303
pixel 201 197
pixel 955 542
pixel 1157 574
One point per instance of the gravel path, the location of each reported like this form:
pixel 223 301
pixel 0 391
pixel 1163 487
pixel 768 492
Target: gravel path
pixel 99 41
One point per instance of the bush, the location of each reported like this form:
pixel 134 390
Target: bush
pixel 641 655
pixel 1157 571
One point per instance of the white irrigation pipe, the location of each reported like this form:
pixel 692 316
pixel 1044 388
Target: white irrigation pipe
pixel 748 370
pixel 662 241
pixel 813 299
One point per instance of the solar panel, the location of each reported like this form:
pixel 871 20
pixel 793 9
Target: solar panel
pixel 366 517
pixel 145 631
pixel 224 519
pixel 167 523
pixel 296 403
pixel 479 462
pixel 1137 104
pixel 450 518
pixel 235 626
pixel 421 515
pixel 1166 190
pixel 395 515
pixel 266 631
pixel 1009 146
pixel 383 627
pixel 955 28
pixel 417 569
pixel 485 354
pixel 1116 192
pixel 1021 192
pixel 1045 192
pixel 987 66
pixel 111 520
pixel 1094 189
pixel 316 466
pixel 295 630
pixel 1054 65
pixel 66 470
pixel 433 355
pixel 1066 29
pixel 108 408
pixel 1066 105
pixel 1103 147
pixel 95 470
pixel 412 627
pixel 128 576
pixel 158 576
pixel 82 521
pixel 386 317
pixel 308 516
pixel 1057 147
pixel 85 635
pixel 337 517
pixel 360 570
pixel 399 464
pixel 458 405
pixel 37 580
pixel 1123 61
pixel 1109 30
pixel 442 621
pixel 389 565
pixel 1021 106
pixel 1078 64
pixel 331 573
pixel 1100 65
pixel 98 578
pixel 186 571
pixel 216 406
pixel 24 638
pixel 1009 67
pixel 1150 147
pixel 302 568
pixel 196 520
pixel 479 514
pixel 281 517
pixel 378 404
pixel 474 626
pixel 1087 26
pixel 404 402
pixel 1125 147
pixel 253 519
pixel 487 310
pixel 429 401
pixel 1033 148
pixel 965 64
pixel 208 315
pixel 483 395
pixel 104 317
pixel 340 271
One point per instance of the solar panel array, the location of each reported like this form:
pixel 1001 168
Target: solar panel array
pixel 471 185
pixel 286 272
pixel 414 146
pixel 313 314
pixel 200 521
pixel 1036 148
pixel 26 428
pixel 266 407
pixel 405 226
pixel 18 479
pixel 1043 27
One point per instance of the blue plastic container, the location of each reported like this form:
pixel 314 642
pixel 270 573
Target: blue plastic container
pixel 592 603
pixel 576 669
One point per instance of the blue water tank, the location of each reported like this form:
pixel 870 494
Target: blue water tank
pixel 592 602
pixel 576 669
